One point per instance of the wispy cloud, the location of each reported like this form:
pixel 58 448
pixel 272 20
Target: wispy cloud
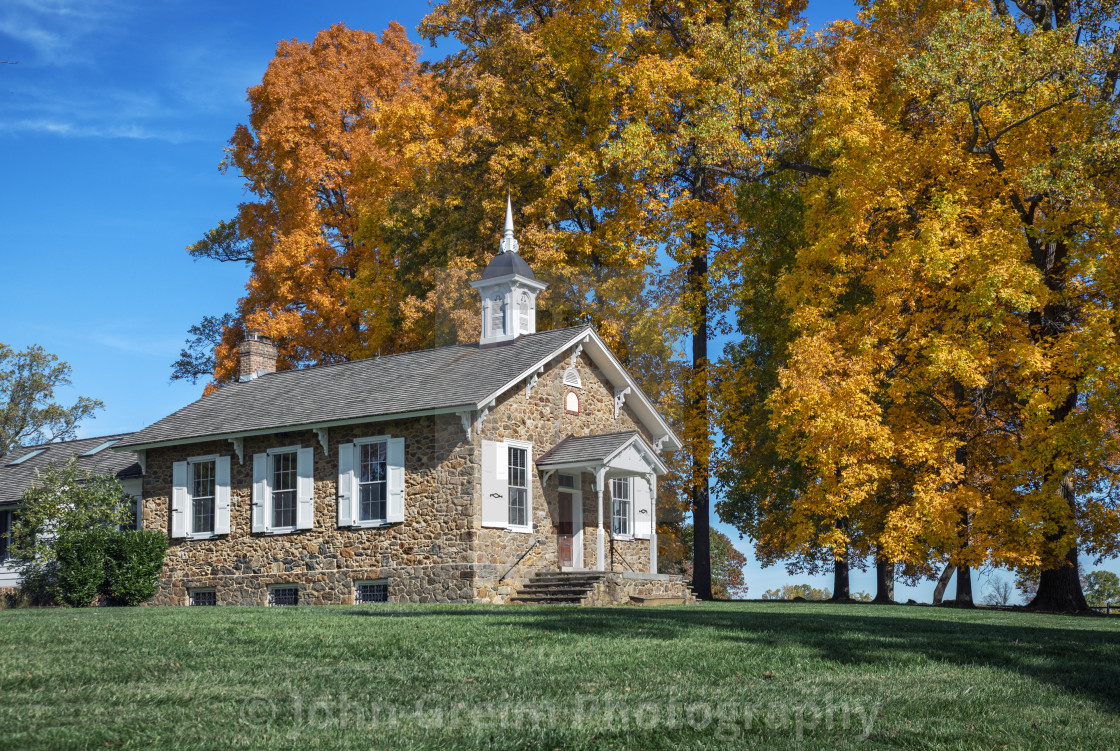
pixel 137 344
pixel 88 70
pixel 85 112
pixel 53 30
pixel 75 130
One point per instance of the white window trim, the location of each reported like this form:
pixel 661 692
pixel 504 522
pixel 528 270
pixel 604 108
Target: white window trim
pixel 630 516
pixel 529 473
pixel 191 534
pixel 268 482
pixel 372 523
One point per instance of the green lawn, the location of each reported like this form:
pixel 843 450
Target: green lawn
pixel 743 675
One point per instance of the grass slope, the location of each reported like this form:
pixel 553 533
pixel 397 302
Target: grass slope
pixel 743 675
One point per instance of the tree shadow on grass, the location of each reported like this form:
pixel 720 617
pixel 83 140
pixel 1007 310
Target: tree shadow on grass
pixel 1084 661
pixel 1081 661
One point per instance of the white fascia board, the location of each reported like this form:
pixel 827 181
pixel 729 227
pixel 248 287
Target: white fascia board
pixel 647 452
pixel 614 371
pixel 306 426
pixel 588 466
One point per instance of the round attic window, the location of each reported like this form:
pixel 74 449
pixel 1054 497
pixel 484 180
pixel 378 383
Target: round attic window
pixel 571 378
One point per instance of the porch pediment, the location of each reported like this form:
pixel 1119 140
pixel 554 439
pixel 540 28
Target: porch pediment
pixel 617 453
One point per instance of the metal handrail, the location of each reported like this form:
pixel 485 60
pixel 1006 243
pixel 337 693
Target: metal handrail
pixel 620 557
pixel 519 559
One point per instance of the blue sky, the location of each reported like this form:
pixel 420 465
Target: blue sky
pixel 112 124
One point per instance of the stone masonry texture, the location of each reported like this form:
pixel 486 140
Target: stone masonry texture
pixel 440 553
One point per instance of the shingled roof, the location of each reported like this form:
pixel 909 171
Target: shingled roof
pixel 460 376
pixel 585 448
pixel 16 478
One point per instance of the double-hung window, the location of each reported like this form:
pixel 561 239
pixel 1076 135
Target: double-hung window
pixel 283 487
pixel 202 486
pixel 507 485
pixel 284 490
pixel 518 487
pixel 621 507
pixel 373 482
pixel 200 497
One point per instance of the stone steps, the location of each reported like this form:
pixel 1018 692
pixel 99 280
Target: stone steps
pixel 557 587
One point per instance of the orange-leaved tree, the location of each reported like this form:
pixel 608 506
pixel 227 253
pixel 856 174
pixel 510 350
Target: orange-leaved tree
pixel 337 130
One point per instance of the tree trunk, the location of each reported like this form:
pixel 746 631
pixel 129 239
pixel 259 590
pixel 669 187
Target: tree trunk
pixel 964 587
pixel 841 591
pixel 1059 588
pixel 943 583
pixel 701 509
pixel 884 581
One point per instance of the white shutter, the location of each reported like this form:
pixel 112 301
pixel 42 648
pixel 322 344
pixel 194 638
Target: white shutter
pixel 179 499
pixel 221 495
pixel 260 492
pixel 495 484
pixel 642 505
pixel 394 464
pixel 345 484
pixel 305 488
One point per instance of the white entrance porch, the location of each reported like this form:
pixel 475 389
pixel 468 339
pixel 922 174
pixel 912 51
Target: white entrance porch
pixel 606 457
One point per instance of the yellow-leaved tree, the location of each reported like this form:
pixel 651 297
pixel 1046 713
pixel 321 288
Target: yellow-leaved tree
pixel 590 109
pixel 950 378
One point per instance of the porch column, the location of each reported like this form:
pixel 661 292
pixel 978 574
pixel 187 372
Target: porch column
pixel 600 535
pixel 651 478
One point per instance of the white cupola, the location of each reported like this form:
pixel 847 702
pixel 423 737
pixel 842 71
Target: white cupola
pixel 509 292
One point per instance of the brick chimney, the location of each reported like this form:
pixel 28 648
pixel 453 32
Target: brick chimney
pixel 258 356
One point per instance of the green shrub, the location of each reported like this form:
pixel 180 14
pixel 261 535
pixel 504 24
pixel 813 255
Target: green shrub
pixel 133 560
pixel 80 572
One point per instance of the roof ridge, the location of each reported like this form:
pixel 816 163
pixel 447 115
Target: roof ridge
pixel 468 345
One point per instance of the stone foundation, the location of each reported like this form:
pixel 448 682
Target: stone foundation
pixel 440 583
pixel 617 589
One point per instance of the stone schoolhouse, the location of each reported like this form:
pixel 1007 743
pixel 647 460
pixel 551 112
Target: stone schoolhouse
pixel 520 468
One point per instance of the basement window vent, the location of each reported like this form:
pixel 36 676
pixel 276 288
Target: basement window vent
pixel 204 597
pixel 371 592
pixel 25 457
pixel 278 596
pixel 102 447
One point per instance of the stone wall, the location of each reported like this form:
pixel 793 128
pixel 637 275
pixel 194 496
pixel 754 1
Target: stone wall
pixel 425 558
pixel 440 553
pixel 618 588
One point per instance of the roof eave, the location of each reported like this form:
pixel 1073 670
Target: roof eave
pixel 534 283
pixel 301 426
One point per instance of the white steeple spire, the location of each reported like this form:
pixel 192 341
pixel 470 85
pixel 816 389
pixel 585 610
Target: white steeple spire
pixel 508 244
pixel 508 290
